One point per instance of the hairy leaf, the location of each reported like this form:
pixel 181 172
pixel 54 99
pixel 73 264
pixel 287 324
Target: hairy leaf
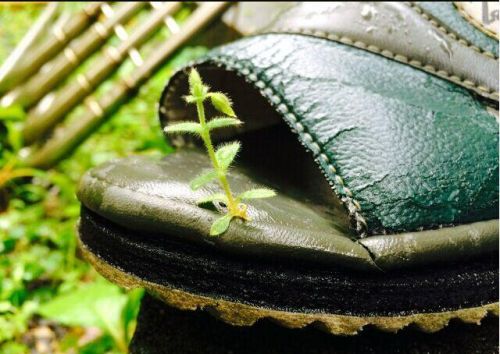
pixel 222 103
pixel 226 154
pixel 194 80
pixel 196 86
pixel 220 225
pixel 217 197
pixel 183 127
pixel 257 193
pixel 222 122
pixel 203 179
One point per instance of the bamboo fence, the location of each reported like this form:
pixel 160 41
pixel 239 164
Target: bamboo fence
pixel 41 87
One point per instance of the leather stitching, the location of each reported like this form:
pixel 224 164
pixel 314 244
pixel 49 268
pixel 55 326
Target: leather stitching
pixel 474 22
pixel 482 90
pixel 353 206
pixel 451 35
pixel 335 180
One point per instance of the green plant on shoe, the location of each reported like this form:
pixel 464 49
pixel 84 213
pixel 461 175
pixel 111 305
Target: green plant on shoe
pixel 222 157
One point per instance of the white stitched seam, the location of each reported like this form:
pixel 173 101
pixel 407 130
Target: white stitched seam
pixel 485 91
pixel 473 21
pixel 352 205
pixel 451 35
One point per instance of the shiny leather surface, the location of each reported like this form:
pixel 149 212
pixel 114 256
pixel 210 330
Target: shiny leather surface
pixel 447 13
pixel 403 149
pixel 154 196
pixel 402 32
pixel 424 247
pixel 151 196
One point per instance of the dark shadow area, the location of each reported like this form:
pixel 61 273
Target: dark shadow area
pixel 162 329
pixel 271 150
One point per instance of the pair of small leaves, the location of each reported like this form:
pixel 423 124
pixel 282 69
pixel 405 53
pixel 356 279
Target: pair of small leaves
pixel 196 128
pixel 199 92
pixel 224 156
pixel 222 224
pixel 220 101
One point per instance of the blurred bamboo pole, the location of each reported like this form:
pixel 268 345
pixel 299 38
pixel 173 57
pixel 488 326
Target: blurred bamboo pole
pixel 47 50
pixel 28 42
pixel 71 57
pixel 69 137
pixel 41 119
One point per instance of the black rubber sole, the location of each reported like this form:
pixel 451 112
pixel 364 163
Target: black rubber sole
pixel 308 288
pixel 162 329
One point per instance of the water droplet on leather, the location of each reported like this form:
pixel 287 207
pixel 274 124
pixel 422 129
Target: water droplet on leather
pixel 443 42
pixel 453 195
pixel 370 29
pixel 368 12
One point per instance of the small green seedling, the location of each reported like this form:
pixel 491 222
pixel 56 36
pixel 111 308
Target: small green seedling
pixel 221 158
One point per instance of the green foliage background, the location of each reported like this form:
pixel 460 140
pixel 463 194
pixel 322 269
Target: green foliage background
pixel 43 283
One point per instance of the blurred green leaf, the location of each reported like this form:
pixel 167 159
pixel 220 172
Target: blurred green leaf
pixel 108 313
pixel 12 113
pixel 131 311
pixel 101 345
pixel 37 228
pixel 99 304
pixel 13 348
pixel 78 308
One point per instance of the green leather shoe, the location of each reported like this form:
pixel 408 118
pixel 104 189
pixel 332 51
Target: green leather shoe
pixel 376 126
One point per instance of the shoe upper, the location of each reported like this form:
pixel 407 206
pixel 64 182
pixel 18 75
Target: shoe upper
pixel 396 104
